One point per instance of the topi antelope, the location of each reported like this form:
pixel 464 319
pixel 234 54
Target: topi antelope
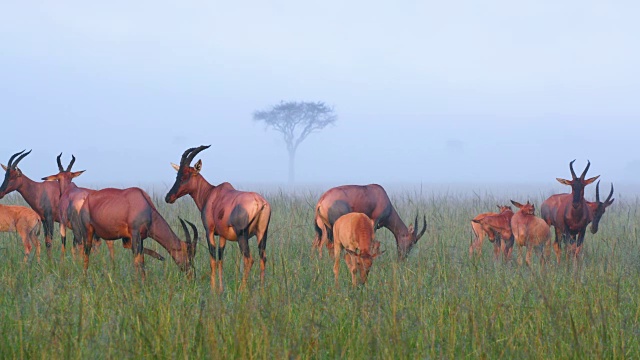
pixel 496 226
pixel 231 214
pixel 25 222
pixel 371 200
pixel 355 233
pixel 530 231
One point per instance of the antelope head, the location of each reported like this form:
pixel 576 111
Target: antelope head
pixel 12 175
pixel 577 184
pixel 527 209
pixel 411 237
pixel 364 259
pixel 186 173
pixel 504 208
pixel 189 248
pixel 600 207
pixel 64 177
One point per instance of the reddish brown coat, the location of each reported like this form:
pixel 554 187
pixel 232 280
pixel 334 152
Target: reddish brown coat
pixel 25 222
pixel 530 231
pixel 129 214
pixel 496 226
pixel 231 214
pixel 569 213
pixel 371 200
pixel 355 233
pixel 42 197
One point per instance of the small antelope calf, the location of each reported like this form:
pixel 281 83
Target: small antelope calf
pixel 25 222
pixel 355 233
pixel 494 225
pixel 530 231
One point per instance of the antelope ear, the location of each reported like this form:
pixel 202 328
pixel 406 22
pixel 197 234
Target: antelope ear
pixel 198 166
pixel 589 181
pixel 564 182
pixel 499 206
pixel 3 167
pixel 49 178
pixel 517 204
pixel 411 228
pixel 177 167
pixel 77 173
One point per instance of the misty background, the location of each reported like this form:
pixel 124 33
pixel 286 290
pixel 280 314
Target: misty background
pixel 426 92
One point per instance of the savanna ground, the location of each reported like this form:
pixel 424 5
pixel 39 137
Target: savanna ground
pixel 436 304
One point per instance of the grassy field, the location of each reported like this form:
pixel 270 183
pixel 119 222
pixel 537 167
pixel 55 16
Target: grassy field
pixel 437 304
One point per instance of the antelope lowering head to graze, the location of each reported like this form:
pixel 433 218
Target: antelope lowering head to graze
pixel 530 231
pixel 71 200
pixel 496 226
pixel 569 213
pixel 231 214
pixel 25 222
pixel 355 233
pixel 371 200
pixel 129 214
pixel 42 197
pixel 598 208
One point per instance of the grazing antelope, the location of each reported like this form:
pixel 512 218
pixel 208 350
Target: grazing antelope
pixel 71 199
pixel 530 231
pixel 231 214
pixel 569 213
pixel 129 214
pixel 598 208
pixel 41 196
pixel 496 226
pixel 371 200
pixel 355 233
pixel 25 222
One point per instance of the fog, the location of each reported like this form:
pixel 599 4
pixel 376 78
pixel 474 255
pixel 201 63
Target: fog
pixel 457 92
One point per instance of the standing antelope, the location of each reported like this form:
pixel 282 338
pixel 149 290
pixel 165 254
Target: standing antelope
pixel 355 232
pixel 71 199
pixel 41 196
pixel 569 213
pixel 598 208
pixel 371 200
pixel 129 214
pixel 25 222
pixel 530 231
pixel 231 214
pixel 497 227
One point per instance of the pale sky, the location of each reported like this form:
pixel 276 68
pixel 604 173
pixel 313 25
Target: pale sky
pixel 425 91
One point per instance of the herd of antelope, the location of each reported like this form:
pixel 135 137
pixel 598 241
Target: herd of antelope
pixel 346 217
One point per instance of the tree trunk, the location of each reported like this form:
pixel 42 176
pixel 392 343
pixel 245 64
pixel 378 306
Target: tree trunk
pixel 292 158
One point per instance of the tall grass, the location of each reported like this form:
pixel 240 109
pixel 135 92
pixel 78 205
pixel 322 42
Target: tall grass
pixel 436 304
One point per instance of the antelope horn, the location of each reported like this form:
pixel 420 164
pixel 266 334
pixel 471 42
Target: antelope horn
pixel 73 159
pixel 59 163
pixel 610 194
pixel 183 159
pixel 13 157
pixel 195 152
pixel 15 164
pixel 186 232
pixel 424 227
pixel 585 170
pixel 195 233
pixel 598 191
pixel 415 225
pixel 573 173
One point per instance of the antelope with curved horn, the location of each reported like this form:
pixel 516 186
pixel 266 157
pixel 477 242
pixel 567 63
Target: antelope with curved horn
pixel 373 201
pixel 71 199
pixel 598 207
pixel 231 214
pixel 25 222
pixel 569 213
pixel 42 197
pixel 355 233
pixel 129 214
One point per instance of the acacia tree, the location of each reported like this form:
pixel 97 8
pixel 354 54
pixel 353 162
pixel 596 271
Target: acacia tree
pixel 295 121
